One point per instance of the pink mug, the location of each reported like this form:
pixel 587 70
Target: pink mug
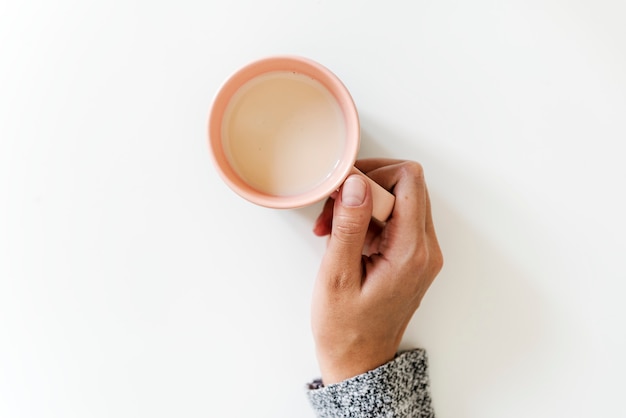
pixel 284 133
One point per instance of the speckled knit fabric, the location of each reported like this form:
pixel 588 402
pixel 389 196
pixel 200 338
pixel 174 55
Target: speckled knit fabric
pixel 398 389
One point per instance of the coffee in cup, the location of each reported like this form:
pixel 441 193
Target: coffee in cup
pixel 284 133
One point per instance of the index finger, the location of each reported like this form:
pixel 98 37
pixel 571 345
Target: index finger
pixel 370 164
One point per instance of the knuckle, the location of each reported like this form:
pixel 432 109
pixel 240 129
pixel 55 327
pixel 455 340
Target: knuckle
pixel 425 263
pixel 339 282
pixel 347 229
pixel 412 169
pixel 420 257
pixel 437 260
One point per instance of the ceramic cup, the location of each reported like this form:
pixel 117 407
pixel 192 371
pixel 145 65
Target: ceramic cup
pixel 284 133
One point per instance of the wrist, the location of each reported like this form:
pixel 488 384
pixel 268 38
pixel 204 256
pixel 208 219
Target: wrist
pixel 335 369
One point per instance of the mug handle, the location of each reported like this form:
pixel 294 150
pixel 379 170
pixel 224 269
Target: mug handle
pixel 382 199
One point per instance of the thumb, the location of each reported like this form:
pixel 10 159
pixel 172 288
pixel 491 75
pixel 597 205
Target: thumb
pixel 352 214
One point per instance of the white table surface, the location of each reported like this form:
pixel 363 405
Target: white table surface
pixel 134 283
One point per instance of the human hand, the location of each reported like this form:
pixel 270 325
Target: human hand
pixel 372 277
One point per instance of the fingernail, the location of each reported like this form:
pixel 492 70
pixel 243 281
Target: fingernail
pixel 353 191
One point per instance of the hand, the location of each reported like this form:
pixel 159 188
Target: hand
pixel 372 277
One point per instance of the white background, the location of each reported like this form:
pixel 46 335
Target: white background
pixel 134 283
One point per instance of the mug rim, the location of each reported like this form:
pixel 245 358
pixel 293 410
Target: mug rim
pixel 334 86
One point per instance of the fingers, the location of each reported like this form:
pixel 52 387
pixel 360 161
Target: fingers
pixel 410 225
pixel 323 223
pixel 351 216
pixel 411 217
pixel 369 164
pixel 430 226
pixel 434 249
pixel 408 219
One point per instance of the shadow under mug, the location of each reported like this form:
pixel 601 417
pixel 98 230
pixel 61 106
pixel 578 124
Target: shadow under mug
pixel 274 108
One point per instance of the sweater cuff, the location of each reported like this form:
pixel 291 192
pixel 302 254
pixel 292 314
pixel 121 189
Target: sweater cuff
pixel 399 388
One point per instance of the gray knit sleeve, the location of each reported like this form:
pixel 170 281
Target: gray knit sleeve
pixel 398 389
